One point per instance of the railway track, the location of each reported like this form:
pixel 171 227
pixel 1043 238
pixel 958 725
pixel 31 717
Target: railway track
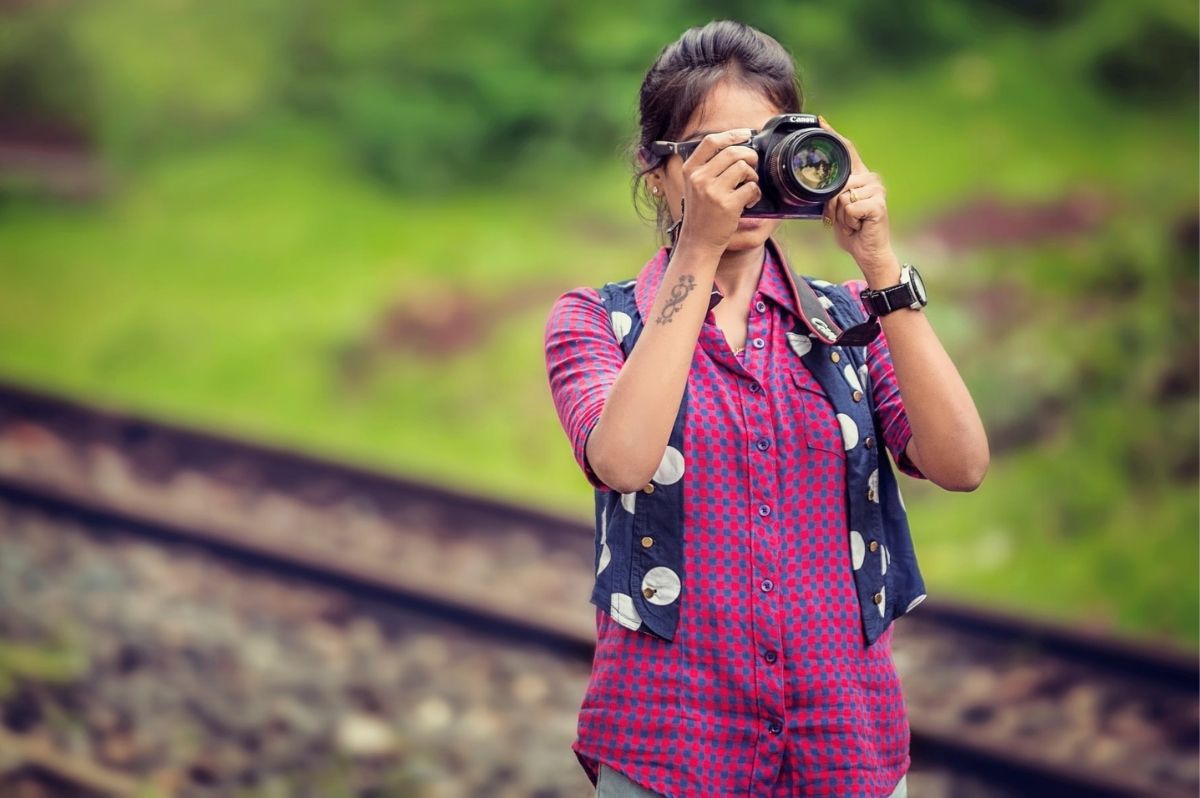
pixel 1032 707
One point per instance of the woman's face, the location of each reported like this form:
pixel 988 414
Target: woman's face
pixel 727 105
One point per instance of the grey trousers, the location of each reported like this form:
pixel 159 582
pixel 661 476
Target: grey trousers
pixel 614 784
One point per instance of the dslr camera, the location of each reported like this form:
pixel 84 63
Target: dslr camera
pixel 801 166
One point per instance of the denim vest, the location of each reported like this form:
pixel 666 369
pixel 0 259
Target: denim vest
pixel 640 577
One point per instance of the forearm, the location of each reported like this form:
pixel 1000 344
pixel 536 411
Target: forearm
pixel 948 442
pixel 628 441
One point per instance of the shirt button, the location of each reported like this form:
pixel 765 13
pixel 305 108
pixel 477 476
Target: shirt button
pixel 755 387
pixel 760 306
pixel 869 442
pixel 758 343
pixel 649 488
pixel 874 545
pixel 835 357
pixel 767 586
pixel 770 656
pixel 856 396
pixel 763 444
pixel 648 541
pixel 764 510
pixel 774 727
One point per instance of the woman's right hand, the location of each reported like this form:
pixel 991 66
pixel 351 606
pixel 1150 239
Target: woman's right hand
pixel 720 180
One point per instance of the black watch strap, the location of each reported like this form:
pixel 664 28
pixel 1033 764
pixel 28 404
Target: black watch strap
pixel 881 303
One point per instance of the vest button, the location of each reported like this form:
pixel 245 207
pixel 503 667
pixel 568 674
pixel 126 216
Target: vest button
pixel 835 357
pixel 649 488
pixel 856 396
pixel 877 598
pixel 648 541
pixel 648 592
pixel 869 442
pixel 874 545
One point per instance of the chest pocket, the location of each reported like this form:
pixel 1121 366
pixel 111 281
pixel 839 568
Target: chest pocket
pixel 821 428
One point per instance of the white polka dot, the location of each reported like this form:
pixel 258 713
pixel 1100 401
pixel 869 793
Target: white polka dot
pixel 900 496
pixel 884 560
pixel 605 557
pixel 623 611
pixel 915 602
pixel 849 430
pixel 863 377
pixel 852 378
pixel 621 324
pixel 882 600
pixel 873 487
pixel 821 283
pixel 670 470
pixel 627 283
pixel 629 501
pixel 825 301
pixel 801 344
pixel 665 584
pixel 858 549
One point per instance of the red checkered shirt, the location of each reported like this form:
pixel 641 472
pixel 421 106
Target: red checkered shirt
pixel 767 688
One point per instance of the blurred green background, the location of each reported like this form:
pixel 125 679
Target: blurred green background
pixel 341 225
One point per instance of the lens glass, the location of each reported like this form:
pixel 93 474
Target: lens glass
pixel 817 163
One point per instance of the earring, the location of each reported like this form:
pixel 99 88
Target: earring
pixel 654 190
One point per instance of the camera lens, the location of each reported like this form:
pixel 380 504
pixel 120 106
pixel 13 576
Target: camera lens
pixel 815 163
pixel 809 165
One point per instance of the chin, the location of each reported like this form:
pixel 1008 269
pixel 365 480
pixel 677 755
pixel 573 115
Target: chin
pixel 751 234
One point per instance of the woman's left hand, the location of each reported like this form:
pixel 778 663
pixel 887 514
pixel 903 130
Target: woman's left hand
pixel 861 226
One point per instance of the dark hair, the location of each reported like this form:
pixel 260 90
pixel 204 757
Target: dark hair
pixel 688 68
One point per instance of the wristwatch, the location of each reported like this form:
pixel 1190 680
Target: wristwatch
pixel 908 293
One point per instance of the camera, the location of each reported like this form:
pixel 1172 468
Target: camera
pixel 801 166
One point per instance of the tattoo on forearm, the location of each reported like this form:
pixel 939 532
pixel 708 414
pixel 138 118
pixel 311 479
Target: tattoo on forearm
pixel 674 302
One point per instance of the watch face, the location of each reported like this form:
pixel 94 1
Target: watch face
pixel 918 285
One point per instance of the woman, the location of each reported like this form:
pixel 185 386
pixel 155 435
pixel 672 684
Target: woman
pixel 743 599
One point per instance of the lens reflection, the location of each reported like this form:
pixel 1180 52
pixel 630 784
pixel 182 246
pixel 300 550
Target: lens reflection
pixel 815 164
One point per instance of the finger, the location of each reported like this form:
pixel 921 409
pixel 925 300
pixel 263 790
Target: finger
pixel 856 163
pixel 725 158
pixel 845 214
pixel 738 172
pixel 713 143
pixel 746 195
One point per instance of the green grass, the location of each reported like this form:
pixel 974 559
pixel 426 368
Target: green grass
pixel 231 286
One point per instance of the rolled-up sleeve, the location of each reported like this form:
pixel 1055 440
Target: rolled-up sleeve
pixel 885 391
pixel 583 359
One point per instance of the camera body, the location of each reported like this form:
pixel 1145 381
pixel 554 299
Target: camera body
pixel 801 166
